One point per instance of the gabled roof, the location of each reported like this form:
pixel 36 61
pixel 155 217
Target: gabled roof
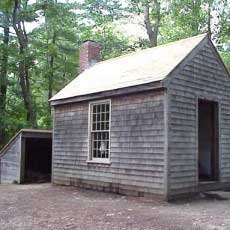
pixel 145 66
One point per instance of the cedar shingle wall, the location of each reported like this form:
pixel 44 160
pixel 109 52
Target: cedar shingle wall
pixel 10 167
pixel 137 144
pixel 202 77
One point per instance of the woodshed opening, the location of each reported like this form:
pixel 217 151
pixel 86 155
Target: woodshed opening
pixel 37 160
pixel 208 138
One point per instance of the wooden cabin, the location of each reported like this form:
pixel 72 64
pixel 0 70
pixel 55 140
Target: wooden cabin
pixel 155 122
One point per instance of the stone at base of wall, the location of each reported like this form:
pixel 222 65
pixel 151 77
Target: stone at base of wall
pixel 112 188
pixel 201 188
pixel 143 192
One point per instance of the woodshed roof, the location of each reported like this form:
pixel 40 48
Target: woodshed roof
pixel 141 67
pixel 23 132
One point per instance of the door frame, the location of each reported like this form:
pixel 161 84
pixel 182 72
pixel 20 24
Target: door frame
pixel 217 159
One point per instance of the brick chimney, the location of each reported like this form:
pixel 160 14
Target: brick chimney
pixel 90 54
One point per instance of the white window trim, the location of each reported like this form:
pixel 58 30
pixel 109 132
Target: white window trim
pixel 91 159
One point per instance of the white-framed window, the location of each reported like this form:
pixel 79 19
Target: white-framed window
pixel 99 131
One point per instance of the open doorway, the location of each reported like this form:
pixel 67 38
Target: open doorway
pixel 38 154
pixel 208 141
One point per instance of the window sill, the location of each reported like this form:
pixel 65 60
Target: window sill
pixel 99 162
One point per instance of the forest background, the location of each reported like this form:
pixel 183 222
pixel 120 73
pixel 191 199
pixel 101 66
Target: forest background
pixel 40 40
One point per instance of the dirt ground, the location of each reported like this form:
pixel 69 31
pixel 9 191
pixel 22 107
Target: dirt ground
pixel 43 206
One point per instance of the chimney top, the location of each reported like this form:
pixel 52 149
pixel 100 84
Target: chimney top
pixel 89 40
pixel 90 54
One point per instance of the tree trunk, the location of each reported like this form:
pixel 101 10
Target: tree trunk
pixel 152 29
pixel 209 18
pixel 196 11
pixel 25 86
pixel 19 27
pixel 3 77
pixel 51 68
pixel 50 57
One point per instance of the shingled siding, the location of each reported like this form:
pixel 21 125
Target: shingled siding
pixel 137 145
pixel 203 77
pixel 10 166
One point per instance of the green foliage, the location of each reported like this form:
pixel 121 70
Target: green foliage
pixel 61 27
pixel 223 39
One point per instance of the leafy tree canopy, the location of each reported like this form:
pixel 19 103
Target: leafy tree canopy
pixel 40 40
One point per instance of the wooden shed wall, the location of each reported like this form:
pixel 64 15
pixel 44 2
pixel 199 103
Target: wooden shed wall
pixel 202 77
pixel 137 145
pixel 10 162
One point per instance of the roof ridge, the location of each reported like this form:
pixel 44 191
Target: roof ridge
pixel 150 48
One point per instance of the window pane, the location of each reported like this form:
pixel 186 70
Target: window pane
pixel 98 108
pixel 103 108
pixel 94 109
pixel 94 117
pixel 98 154
pixel 107 116
pixel 107 126
pixel 98 126
pixel 94 153
pixel 98 117
pixel 107 107
pixel 103 116
pixel 94 144
pixel 97 136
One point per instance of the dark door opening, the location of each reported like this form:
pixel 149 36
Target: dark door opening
pixel 208 141
pixel 38 160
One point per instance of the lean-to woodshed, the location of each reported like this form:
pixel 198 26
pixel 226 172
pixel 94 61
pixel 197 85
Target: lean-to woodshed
pixel 27 157
pixel 152 122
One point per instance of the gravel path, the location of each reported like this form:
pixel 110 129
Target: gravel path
pixel 43 206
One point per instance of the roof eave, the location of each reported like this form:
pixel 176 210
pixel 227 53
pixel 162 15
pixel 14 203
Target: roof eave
pixel 156 85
